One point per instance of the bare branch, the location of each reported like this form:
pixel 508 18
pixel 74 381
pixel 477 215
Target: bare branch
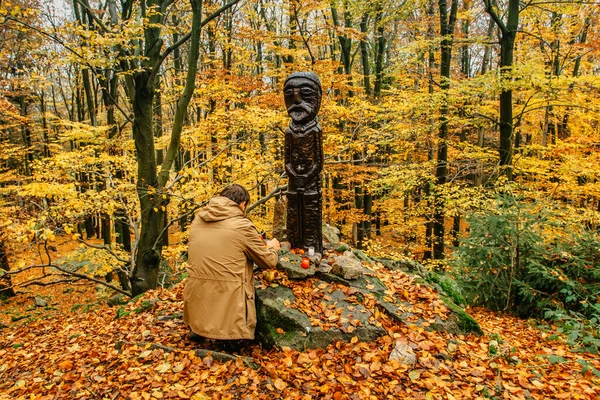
pixel 203 163
pixel 69 273
pixel 489 9
pixel 185 38
pixel 106 248
pixel 347 161
pixel 93 16
pixel 277 191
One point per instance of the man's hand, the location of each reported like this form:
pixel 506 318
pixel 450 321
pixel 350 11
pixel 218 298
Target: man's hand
pixel 273 244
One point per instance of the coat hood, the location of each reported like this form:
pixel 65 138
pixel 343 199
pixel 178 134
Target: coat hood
pixel 220 208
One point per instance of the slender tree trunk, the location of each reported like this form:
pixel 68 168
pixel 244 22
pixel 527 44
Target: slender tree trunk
pixel 465 54
pixel 6 289
pixel 508 34
pixel 364 53
pixel 345 42
pixel 487 53
pixel 428 186
pixel 563 128
pixel 346 59
pixel 447 25
pixel 46 150
pixel 381 43
pixel 158 132
pixel 293 15
pixel 456 230
pixel 26 135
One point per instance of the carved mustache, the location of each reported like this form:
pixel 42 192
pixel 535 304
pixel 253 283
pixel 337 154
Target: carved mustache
pixel 300 107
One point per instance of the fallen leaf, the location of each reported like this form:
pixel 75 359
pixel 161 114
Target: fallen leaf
pixel 65 365
pixel 145 353
pixel 414 375
pixel 178 367
pixel 162 368
pixel 365 372
pixel 279 384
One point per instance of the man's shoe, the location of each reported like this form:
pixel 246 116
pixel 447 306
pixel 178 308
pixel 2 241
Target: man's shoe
pixel 233 346
pixel 194 337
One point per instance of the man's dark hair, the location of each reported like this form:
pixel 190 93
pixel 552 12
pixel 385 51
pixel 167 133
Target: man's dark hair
pixel 236 193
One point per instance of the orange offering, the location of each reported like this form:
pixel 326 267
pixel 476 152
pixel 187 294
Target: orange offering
pixel 305 263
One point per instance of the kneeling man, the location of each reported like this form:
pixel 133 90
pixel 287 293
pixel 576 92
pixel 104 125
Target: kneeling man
pixel 223 244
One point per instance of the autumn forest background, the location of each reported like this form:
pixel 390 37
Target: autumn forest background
pixel 462 134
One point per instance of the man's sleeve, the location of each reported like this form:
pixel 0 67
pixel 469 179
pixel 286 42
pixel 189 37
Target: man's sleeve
pixel 257 250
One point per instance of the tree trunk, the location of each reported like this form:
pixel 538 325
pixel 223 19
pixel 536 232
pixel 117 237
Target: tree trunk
pixel 508 33
pixel 465 54
pixel 487 53
pixel 26 135
pixel 46 150
pixel 380 54
pixel 427 189
pixel 147 259
pixel 563 127
pixel 150 184
pixel 447 24
pixel 6 289
pixel 364 53
pixel 345 43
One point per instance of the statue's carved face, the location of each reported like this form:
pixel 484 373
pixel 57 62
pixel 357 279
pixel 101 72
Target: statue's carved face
pixel 302 99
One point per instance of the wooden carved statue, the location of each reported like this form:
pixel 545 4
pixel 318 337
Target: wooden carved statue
pixel 303 160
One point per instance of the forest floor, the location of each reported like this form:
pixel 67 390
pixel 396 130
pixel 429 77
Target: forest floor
pixel 79 347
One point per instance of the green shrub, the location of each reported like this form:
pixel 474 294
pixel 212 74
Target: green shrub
pixel 523 260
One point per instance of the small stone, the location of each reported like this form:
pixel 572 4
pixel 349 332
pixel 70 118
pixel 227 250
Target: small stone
pixel 169 317
pixel 363 257
pixel 452 347
pixel 403 354
pixel 347 267
pixel 116 300
pixel 39 302
pixel 323 267
pixel 285 246
pixel 331 235
pixel 315 258
pixel 342 247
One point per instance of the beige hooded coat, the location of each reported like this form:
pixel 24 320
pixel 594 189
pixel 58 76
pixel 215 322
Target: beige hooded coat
pixel 219 291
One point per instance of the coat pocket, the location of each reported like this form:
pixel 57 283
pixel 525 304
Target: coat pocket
pixel 250 309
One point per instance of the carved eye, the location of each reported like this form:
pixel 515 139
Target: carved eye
pixel 289 92
pixel 307 92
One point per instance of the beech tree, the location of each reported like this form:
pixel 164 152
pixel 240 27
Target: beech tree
pixel 150 184
pixel 508 32
pixel 447 26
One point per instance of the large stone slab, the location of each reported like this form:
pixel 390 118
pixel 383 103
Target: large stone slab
pixel 280 324
pixel 458 321
pixel 290 263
